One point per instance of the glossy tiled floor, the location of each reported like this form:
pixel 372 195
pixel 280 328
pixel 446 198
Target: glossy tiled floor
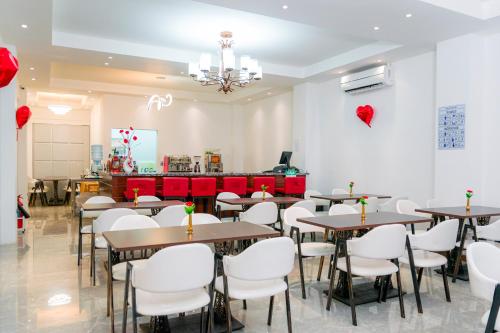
pixel 42 290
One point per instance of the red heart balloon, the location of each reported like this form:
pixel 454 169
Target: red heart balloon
pixel 23 114
pixel 365 113
pixel 8 67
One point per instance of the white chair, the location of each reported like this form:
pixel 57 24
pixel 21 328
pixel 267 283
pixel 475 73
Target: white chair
pixel 104 223
pixel 390 205
pixel 484 277
pixel 425 246
pixel 159 290
pixel 263 213
pixel 98 199
pixel 201 218
pixel 408 207
pixel 36 187
pixel 146 198
pixel 259 271
pixel 307 204
pixel 374 254
pixel 340 209
pixel 258 195
pixel 324 204
pixel 370 207
pixel 224 207
pixel 309 249
pixel 171 216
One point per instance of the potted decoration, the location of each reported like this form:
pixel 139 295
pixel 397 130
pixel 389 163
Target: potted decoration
pixel 351 185
pixel 468 194
pixel 264 189
pixel 363 203
pixel 136 198
pixel 128 138
pixel 189 209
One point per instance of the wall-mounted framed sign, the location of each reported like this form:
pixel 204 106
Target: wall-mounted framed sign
pixel 451 127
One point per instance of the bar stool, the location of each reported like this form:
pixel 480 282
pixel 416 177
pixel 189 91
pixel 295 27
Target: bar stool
pixel 204 188
pixel 146 186
pixel 236 185
pixel 295 186
pixel 175 188
pixel 270 182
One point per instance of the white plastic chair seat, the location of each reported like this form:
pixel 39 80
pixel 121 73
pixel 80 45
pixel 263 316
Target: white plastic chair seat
pixel 248 289
pixel 86 229
pixel 161 304
pixel 367 267
pixel 315 249
pixel 468 242
pixel 100 243
pixel 91 214
pixel 321 213
pixel 484 320
pixel 227 207
pixel 424 259
pixel 120 269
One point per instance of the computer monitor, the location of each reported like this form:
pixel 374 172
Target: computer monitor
pixel 285 158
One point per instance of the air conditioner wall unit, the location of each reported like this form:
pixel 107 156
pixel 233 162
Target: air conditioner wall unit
pixel 370 79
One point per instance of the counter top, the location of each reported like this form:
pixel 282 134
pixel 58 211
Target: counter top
pixel 202 174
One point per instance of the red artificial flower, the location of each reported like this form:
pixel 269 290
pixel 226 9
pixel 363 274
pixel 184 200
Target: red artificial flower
pixel 135 138
pixel 121 131
pixel 189 203
pixel 365 197
pixel 125 140
pixel 470 191
pixel 131 128
pixel 127 132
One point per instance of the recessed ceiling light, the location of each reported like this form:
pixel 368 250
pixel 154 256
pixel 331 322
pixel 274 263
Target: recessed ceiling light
pixel 24 26
pixel 376 28
pixel 409 15
pixel 379 60
pixel 32 68
pixel 269 93
pixel 249 99
pixel 195 100
pixel 285 7
pixel 340 72
pixel 110 57
pixel 33 79
pixel 106 64
pixel 89 91
pixel 145 96
pixel 182 73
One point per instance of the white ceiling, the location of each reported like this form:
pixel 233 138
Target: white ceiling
pixel 68 41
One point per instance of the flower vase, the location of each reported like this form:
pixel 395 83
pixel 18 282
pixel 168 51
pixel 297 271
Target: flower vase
pixel 263 195
pixel 467 206
pixel 363 213
pixel 350 191
pixel 136 198
pixel 128 164
pixel 190 224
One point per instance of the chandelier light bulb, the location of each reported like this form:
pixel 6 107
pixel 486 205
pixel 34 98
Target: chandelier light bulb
pixel 244 62
pixel 59 109
pixel 228 59
pixel 205 62
pixel 253 66
pixel 193 69
pixel 258 75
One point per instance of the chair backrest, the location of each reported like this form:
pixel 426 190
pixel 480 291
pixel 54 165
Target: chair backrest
pixel 270 182
pixel 295 185
pixel 408 207
pixel 258 195
pixel 384 242
pixel 390 204
pixel 147 198
pixel 108 217
pixel 98 199
pixel 227 195
pixel 293 213
pixel 201 218
pixel 170 216
pixel 261 213
pixel 489 232
pixel 318 202
pixel 440 238
pixel 203 187
pixel 133 222
pixel 341 209
pixel 484 271
pixel 146 186
pixel 370 207
pixel 194 269
pixel 310 205
pixel 339 191
pixel 237 185
pixel 265 260
pixel 175 187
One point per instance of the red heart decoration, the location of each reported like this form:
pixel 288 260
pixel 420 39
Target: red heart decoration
pixel 365 113
pixel 8 67
pixel 23 114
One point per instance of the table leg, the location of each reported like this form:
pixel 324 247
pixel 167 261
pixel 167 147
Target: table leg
pixel 56 192
pixel 414 275
pixel 110 288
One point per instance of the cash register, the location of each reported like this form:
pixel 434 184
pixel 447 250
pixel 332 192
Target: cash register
pixel 284 163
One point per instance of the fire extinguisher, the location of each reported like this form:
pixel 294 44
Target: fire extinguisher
pixel 21 213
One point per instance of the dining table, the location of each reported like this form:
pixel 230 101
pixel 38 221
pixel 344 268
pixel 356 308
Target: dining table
pixel 220 234
pixel 55 200
pixel 344 226
pixel 340 198
pixel 481 214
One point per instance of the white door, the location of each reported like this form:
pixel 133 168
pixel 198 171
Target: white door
pixel 60 150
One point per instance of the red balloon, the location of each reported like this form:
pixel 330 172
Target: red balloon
pixel 365 113
pixel 8 67
pixel 23 114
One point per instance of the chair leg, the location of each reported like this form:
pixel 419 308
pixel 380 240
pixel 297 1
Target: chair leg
pixel 381 288
pixel 134 310
pixel 244 304
pixel 228 307
pixel 419 278
pixel 288 312
pixel 330 263
pixel 331 275
pixel 301 265
pixel 270 314
pixel 386 287
pixel 445 282
pixel 349 286
pixel 125 298
pixel 459 256
pixel 80 245
pixel 202 319
pixel 400 291
pixel 320 268
pixel 490 324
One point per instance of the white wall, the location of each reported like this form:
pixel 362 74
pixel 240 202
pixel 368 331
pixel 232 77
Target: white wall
pixel 395 156
pixel 268 131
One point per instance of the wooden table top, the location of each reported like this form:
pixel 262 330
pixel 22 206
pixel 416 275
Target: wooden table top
pixel 254 201
pixel 461 212
pixel 125 240
pixel 348 222
pixel 55 178
pixel 131 205
pixel 354 196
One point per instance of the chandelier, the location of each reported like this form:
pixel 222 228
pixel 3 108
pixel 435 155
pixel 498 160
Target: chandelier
pixel 227 76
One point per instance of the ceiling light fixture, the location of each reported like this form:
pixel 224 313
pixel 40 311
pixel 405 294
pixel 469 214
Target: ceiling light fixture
pixel 409 15
pixel 110 57
pixel 376 28
pixel 249 99
pixel 269 93
pixel 59 109
pixel 182 73
pixel 24 26
pixel 32 68
pixel 106 64
pixel 379 60
pixel 285 7
pixel 226 76
pixel 33 79
pixel 89 91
